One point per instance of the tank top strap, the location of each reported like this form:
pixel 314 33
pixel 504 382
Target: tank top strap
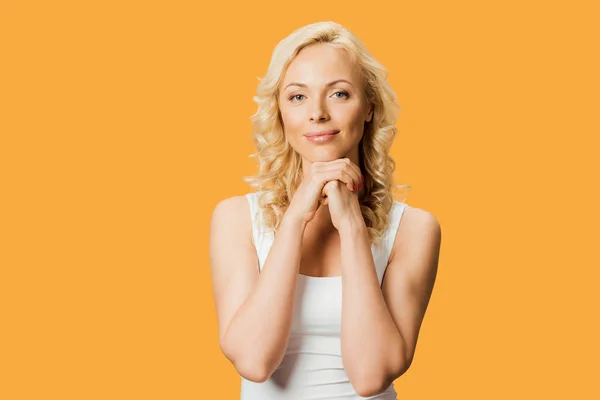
pixel 262 236
pixel 254 215
pixel 390 234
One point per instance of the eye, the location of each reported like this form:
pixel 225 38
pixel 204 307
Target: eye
pixel 343 92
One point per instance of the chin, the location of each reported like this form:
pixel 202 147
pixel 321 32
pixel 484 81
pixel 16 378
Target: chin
pixel 324 155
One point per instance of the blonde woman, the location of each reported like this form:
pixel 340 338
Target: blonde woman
pixel 320 291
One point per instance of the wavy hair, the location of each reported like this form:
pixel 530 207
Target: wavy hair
pixel 280 166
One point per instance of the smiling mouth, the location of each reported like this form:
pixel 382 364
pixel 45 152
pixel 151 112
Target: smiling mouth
pixel 321 138
pixel 322 133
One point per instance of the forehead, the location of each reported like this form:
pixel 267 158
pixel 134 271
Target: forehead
pixel 319 64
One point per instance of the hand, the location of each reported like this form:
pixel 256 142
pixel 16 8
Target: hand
pixel 343 204
pixel 310 194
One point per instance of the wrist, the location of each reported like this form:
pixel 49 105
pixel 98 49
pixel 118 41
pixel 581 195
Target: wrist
pixel 293 220
pixel 353 225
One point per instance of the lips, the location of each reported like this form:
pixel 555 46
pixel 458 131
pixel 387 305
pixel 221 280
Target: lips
pixel 321 133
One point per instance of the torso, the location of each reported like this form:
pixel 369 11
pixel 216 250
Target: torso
pixel 312 366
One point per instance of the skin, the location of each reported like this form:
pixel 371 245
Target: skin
pixel 319 106
pixel 380 324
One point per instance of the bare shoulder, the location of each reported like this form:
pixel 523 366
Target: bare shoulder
pixel 231 207
pixel 418 227
pixel 232 213
pixel 417 218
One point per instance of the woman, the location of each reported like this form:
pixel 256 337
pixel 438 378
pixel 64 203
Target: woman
pixel 303 308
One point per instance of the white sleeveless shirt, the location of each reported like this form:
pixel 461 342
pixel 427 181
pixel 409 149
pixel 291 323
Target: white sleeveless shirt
pixel 312 366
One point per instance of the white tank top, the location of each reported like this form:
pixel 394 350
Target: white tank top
pixel 312 366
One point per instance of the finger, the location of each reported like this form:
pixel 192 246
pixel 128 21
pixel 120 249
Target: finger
pixel 349 167
pixel 354 171
pixel 336 174
pixel 323 196
pixel 356 175
pixel 344 176
pixel 326 165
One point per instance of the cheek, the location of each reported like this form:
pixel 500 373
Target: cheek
pixel 292 127
pixel 291 120
pixel 351 118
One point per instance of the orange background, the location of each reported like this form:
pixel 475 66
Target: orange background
pixel 124 123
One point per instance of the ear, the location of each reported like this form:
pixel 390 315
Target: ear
pixel 370 114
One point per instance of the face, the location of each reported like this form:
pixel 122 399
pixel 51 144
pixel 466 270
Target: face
pixel 310 100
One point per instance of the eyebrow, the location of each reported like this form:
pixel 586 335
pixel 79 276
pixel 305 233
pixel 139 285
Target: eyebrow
pixel 329 84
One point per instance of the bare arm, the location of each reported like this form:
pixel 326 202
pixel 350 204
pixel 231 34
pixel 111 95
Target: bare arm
pixel 380 333
pixel 370 341
pixel 254 310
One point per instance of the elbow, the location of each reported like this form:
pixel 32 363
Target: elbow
pixel 378 383
pixel 368 389
pixel 248 369
pixel 252 372
pixel 371 385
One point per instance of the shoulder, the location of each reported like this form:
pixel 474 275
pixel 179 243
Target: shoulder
pixel 419 229
pixel 418 218
pixel 232 215
pixel 231 206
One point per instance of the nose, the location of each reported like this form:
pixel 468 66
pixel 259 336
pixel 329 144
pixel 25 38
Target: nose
pixel 318 112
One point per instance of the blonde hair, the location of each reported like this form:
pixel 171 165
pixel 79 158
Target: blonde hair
pixel 280 166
